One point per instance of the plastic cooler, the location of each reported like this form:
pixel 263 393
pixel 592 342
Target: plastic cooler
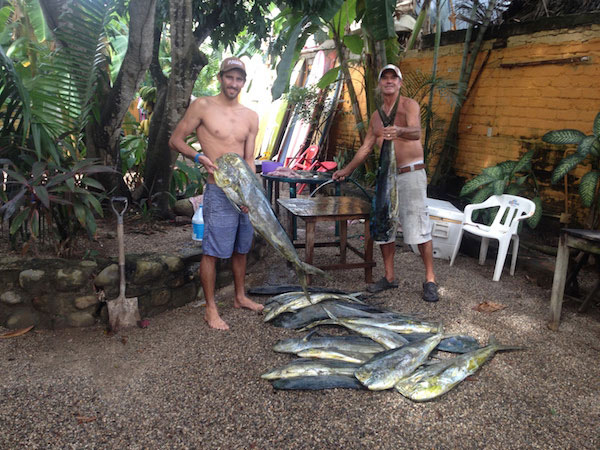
pixel 446 222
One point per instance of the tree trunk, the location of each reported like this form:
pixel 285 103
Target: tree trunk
pixel 360 124
pixel 448 154
pixel 172 100
pixel 106 135
pixel 103 135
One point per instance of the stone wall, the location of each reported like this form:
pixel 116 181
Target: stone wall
pixel 57 293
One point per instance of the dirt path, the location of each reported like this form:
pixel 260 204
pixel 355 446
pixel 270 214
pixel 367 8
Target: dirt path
pixel 178 384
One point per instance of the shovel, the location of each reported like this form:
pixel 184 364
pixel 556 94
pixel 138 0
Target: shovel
pixel 122 312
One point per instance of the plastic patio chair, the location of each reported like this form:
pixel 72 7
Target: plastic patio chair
pixel 305 160
pixel 504 228
pixel 308 161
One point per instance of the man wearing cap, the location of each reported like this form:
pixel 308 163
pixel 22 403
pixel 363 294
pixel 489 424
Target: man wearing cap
pixel 411 179
pixel 222 125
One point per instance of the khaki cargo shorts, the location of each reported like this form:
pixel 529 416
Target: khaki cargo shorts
pixel 413 216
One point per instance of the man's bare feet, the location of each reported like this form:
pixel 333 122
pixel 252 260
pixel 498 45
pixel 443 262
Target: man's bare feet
pixel 212 318
pixel 248 304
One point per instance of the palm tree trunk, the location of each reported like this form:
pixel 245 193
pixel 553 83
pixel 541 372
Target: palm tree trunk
pixel 448 154
pixel 173 96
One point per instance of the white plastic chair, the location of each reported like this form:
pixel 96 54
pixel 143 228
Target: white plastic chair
pixel 512 210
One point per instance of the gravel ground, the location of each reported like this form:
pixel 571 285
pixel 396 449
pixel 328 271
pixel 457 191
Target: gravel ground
pixel 178 384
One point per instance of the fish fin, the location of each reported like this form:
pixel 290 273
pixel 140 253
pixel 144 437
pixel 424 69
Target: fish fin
pixel 331 316
pixel 309 335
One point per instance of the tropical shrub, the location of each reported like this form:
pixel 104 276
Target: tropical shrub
pixel 588 151
pixel 52 202
pixel 507 177
pixel 47 98
pixel 187 181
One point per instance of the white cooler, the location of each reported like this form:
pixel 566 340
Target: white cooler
pixel 446 220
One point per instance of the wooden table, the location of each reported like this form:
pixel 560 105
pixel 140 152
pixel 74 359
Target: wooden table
pixel 332 209
pixel 584 240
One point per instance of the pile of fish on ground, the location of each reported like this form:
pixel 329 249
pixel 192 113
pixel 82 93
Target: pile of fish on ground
pixel 386 350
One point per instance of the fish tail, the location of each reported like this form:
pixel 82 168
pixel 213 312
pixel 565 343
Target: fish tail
pixel 302 270
pixel 312 270
pixel 503 348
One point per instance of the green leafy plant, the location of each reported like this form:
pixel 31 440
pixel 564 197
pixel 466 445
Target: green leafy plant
pixel 133 157
pixel 588 150
pixel 507 177
pixel 44 201
pixel 305 101
pixel 187 181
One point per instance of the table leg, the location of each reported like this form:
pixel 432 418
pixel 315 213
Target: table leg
pixel 290 229
pixel 276 197
pixel 368 252
pixel 310 244
pixel 558 284
pixel 343 240
pixel 294 221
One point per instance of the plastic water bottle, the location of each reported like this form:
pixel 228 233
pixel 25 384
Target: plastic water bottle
pixel 198 225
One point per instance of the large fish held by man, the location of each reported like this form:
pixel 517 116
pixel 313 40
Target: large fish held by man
pixel 241 187
pixel 384 209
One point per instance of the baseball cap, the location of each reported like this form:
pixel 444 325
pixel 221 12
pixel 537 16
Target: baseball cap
pixel 232 63
pixel 390 67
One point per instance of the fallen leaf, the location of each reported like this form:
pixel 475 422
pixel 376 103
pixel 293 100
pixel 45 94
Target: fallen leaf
pixel 144 323
pixel 15 333
pixel 488 306
pixel 85 419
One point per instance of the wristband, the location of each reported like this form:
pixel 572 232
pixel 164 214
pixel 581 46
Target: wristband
pixel 197 157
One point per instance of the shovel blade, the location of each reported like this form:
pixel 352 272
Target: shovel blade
pixel 123 313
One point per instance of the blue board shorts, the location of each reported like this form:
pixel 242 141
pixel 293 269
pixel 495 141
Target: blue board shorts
pixel 226 230
pixel 413 215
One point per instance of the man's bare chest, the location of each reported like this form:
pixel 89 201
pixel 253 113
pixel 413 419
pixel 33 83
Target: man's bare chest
pixel 225 126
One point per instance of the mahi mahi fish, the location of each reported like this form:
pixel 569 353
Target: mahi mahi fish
pixel 312 313
pixel 385 369
pixel 397 324
pixel 301 301
pixel 433 380
pixel 306 367
pixel 384 211
pixel 317 383
pixel 351 343
pixel 242 188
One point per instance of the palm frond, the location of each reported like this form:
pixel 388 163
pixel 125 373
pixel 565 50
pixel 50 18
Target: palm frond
pixel 565 166
pixel 562 137
pixel 65 87
pixel 587 187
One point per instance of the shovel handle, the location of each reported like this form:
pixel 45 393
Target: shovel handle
pixel 123 202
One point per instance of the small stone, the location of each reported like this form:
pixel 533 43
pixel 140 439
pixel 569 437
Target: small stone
pixel 81 319
pixel 86 301
pixel 160 297
pixel 69 279
pixel 30 280
pixel 88 264
pixel 22 318
pixel 11 298
pixel 146 271
pixel 173 263
pixel 109 276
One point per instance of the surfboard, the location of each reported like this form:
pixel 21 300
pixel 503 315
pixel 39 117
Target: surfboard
pixel 280 118
pixel 329 112
pixel 301 128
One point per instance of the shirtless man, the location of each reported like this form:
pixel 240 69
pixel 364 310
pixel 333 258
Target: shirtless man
pixel 222 125
pixel 411 179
